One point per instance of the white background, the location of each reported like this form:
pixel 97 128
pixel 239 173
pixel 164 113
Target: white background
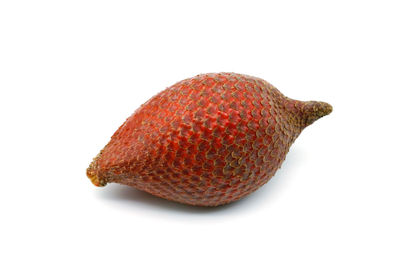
pixel 72 71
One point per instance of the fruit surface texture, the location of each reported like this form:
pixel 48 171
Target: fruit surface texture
pixel 207 140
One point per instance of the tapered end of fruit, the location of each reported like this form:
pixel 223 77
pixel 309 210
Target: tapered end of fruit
pixel 93 176
pixel 313 110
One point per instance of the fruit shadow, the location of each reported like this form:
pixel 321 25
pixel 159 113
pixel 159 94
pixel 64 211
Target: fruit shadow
pixel 266 194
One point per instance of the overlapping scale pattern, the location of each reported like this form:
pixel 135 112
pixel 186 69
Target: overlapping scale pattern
pixel 207 140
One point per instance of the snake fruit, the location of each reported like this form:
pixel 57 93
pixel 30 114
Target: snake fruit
pixel 205 141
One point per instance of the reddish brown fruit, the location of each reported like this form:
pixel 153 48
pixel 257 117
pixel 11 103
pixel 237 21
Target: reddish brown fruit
pixel 208 140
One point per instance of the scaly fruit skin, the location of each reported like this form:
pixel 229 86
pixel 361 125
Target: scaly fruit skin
pixel 208 140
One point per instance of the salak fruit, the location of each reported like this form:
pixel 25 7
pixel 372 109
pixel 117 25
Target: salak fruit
pixel 207 140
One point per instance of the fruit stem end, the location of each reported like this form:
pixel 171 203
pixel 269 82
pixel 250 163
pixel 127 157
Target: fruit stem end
pixel 94 178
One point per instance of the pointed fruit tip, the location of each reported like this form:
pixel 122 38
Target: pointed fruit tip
pixel 313 110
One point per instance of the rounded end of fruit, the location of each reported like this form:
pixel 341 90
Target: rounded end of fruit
pixel 313 110
pixel 94 178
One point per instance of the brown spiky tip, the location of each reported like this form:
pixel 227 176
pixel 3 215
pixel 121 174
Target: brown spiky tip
pixel 313 110
pixel 92 175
